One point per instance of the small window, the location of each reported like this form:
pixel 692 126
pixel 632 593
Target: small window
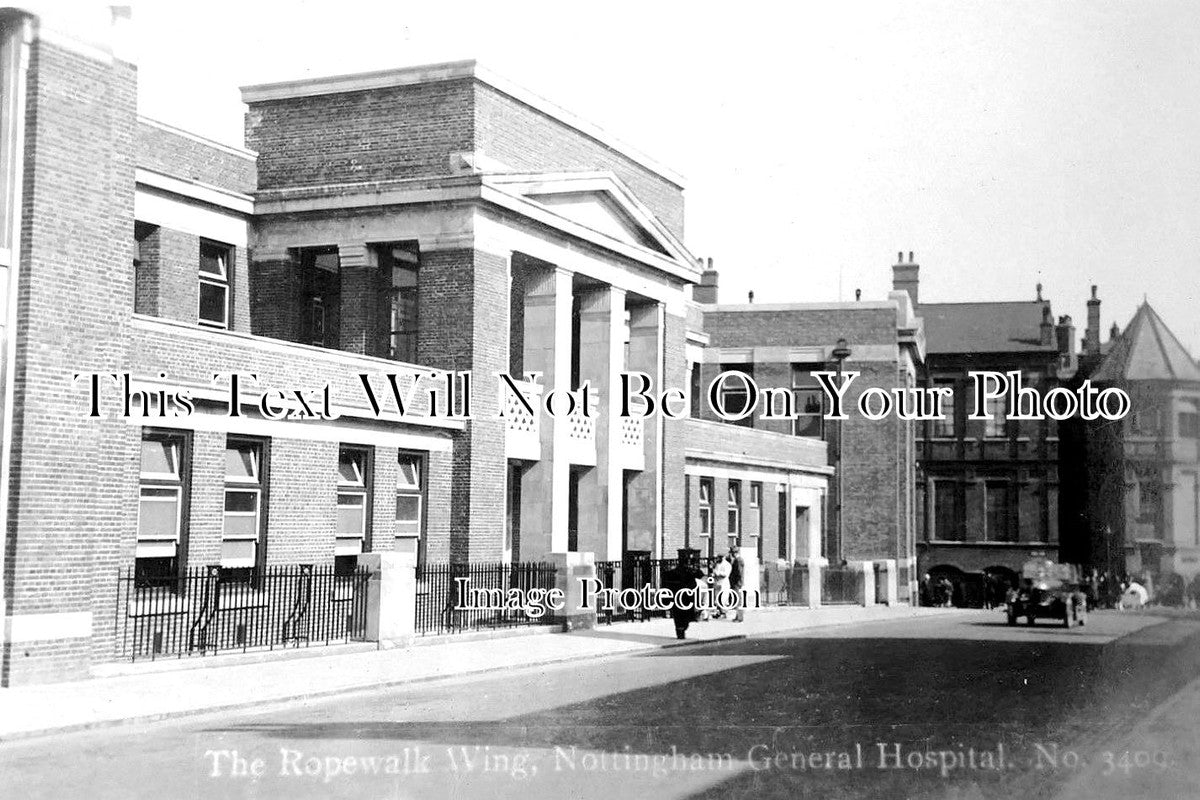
pixel 351 501
pixel 244 489
pixel 808 399
pixel 1189 424
pixel 409 496
pixel 705 506
pixel 756 495
pixel 214 284
pixel 734 507
pixel 735 393
pixel 160 505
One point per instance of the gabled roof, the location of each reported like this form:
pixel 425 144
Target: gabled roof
pixel 990 327
pixel 1147 350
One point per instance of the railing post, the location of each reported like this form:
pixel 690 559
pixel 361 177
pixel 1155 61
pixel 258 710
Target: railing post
pixel 815 583
pixel 570 569
pixel 866 589
pixel 391 597
pixel 892 580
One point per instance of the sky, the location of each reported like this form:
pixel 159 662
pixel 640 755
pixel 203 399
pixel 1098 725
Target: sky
pixel 1004 143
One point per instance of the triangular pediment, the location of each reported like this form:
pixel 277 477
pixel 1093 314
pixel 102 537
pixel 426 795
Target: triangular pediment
pixel 600 212
pixel 598 201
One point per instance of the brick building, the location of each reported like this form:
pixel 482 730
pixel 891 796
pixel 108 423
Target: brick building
pixel 795 506
pixel 391 230
pixel 1141 492
pixel 988 490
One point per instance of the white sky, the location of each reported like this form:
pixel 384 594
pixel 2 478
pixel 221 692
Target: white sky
pixel 1006 143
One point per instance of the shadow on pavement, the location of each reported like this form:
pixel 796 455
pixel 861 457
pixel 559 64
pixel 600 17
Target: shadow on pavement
pixel 852 696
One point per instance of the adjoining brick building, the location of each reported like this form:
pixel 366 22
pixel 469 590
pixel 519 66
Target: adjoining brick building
pixel 795 505
pixel 988 490
pixel 1141 492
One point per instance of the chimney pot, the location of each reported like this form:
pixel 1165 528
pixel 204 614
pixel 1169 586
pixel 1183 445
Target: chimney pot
pixel 900 257
pixel 910 256
pixel 857 294
pixel 750 295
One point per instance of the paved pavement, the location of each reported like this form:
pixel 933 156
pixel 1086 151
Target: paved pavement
pixel 931 707
pixel 161 690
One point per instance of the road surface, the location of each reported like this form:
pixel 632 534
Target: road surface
pixel 957 705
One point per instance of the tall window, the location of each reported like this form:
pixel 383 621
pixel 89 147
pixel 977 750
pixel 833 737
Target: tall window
pixel 756 505
pixel 322 281
pixel 783 526
pixel 994 427
pixel 353 488
pixel 809 403
pixel 735 395
pixel 999 521
pixel 705 506
pixel 403 263
pixel 163 490
pixel 215 260
pixel 694 391
pixel 947 510
pixel 410 494
pixel 1189 423
pixel 734 507
pixel 245 487
pixel 944 427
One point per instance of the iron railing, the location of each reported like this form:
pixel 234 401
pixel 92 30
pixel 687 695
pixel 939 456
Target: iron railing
pixel 209 610
pixel 784 585
pixel 634 572
pixel 442 603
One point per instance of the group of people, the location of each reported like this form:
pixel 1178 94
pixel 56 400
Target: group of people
pixel 937 592
pixel 726 574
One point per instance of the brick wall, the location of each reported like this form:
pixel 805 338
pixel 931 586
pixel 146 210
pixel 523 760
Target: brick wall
pixel 187 158
pixel 302 508
pixel 526 139
pixel 74 297
pixel 383 134
pixel 464 298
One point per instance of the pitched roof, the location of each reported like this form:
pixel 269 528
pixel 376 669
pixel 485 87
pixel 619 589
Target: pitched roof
pixel 1147 350
pixel 996 327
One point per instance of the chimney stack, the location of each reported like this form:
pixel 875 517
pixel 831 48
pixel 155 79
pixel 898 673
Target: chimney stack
pixel 1091 337
pixel 1068 359
pixel 1047 326
pixel 705 292
pixel 905 276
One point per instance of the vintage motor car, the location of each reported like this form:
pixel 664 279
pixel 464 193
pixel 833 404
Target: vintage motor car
pixel 1048 591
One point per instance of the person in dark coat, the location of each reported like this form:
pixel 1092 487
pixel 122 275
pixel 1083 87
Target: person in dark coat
pixel 736 579
pixel 683 575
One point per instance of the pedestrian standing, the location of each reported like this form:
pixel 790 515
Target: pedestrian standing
pixel 721 572
pixel 737 574
pixel 685 575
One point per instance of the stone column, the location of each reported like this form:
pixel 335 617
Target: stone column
pixel 601 358
pixel 893 583
pixel 645 487
pixel 547 349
